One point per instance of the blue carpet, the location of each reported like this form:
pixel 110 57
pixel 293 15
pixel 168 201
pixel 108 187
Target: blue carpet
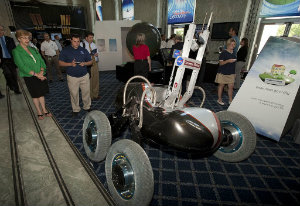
pixel 271 176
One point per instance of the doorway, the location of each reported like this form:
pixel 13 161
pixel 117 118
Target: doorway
pixel 270 30
pixel 276 26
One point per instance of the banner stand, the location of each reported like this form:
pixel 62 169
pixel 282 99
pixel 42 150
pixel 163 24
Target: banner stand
pixel 270 96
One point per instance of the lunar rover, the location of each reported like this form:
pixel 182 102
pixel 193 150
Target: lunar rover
pixel 158 113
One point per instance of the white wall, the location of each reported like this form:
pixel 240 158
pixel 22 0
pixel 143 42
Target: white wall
pixel 111 30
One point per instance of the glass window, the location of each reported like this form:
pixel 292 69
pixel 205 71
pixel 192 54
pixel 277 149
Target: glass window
pixel 295 30
pixel 270 30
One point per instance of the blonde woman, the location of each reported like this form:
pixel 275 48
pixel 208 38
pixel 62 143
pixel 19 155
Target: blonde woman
pixel 226 71
pixel 32 68
pixel 141 53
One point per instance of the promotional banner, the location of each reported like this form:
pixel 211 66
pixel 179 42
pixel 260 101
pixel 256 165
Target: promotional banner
pixel 180 11
pixel 272 8
pixel 128 9
pixel 268 93
pixel 99 11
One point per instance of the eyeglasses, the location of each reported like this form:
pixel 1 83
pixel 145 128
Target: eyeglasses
pixel 25 37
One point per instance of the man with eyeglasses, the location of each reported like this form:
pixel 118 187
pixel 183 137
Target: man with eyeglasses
pixel 7 64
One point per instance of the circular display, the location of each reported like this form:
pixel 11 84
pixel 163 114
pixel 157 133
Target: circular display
pixel 152 37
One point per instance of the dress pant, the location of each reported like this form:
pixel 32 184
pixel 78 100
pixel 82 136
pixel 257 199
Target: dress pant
pixel 52 62
pixel 74 83
pixel 10 73
pixel 238 68
pixel 94 81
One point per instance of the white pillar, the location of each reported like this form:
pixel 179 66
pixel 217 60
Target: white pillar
pixel 169 30
pixel 158 16
pixel 92 14
pixel 117 10
pixel 246 17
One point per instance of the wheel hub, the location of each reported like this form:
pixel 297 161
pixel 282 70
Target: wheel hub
pixel 91 136
pixel 123 176
pixel 233 137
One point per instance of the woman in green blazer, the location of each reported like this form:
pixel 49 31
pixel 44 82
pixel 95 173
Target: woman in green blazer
pixel 32 69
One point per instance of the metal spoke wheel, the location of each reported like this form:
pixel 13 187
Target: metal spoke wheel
pixel 239 137
pixel 96 135
pixel 129 174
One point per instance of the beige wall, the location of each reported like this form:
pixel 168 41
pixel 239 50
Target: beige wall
pixel 223 11
pixel 108 9
pixel 146 11
pixel 6 18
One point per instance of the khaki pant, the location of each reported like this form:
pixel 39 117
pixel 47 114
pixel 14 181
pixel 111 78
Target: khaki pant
pixel 74 83
pixel 238 68
pixel 52 62
pixel 94 81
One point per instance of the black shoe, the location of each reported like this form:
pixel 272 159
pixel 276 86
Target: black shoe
pixel 88 110
pixel 1 96
pixel 61 80
pixel 18 92
pixel 50 81
pixel 75 114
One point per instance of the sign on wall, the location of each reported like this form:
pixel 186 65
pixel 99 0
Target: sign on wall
pixel 271 8
pixel 268 93
pixel 65 24
pixel 180 11
pixel 128 9
pixel 99 11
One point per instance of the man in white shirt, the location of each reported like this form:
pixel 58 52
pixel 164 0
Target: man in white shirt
pixel 56 37
pixel 91 47
pixel 163 43
pixel 171 41
pixel 50 53
pixel 30 42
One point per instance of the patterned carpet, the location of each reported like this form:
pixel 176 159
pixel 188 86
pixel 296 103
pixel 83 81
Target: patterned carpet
pixel 271 176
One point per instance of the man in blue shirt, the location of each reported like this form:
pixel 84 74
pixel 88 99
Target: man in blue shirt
pixel 76 59
pixel 7 64
pixel 233 34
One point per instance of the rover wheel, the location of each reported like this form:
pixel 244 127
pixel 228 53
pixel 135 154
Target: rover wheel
pixel 239 137
pixel 96 135
pixel 129 174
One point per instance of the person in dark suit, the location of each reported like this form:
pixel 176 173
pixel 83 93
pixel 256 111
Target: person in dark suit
pixel 7 44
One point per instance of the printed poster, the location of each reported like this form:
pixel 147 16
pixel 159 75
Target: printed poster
pixel 101 45
pixel 267 95
pixel 272 8
pixel 181 11
pixel 112 45
pixel 99 11
pixel 128 9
